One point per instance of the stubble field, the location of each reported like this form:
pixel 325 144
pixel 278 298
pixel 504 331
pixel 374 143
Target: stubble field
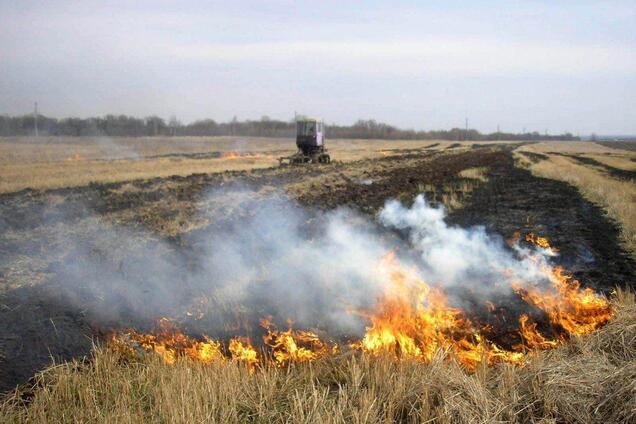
pixel 53 162
pixel 103 236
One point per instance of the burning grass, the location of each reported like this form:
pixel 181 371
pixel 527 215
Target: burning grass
pixel 411 320
pixel 591 379
pixel 420 359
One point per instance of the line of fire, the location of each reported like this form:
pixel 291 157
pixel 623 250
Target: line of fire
pixel 411 320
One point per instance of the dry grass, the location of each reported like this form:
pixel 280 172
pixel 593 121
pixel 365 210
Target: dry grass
pixel 617 197
pixel 590 380
pixel 571 147
pixel 620 161
pixel 453 192
pixel 617 158
pixel 475 174
pixel 50 162
pixel 71 174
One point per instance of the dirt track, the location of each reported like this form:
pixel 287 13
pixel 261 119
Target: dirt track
pixel 41 319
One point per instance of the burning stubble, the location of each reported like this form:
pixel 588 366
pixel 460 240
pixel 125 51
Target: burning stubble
pixel 271 281
pixel 406 284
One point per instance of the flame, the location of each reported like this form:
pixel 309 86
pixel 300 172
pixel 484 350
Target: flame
pixel 247 156
pixel 231 155
pixel 75 158
pixel 541 242
pixel 578 311
pixel 293 345
pixel 411 319
pixel 414 320
pixel 171 344
pixel 243 351
pixel 531 335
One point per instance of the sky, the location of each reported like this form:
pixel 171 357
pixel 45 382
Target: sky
pixel 551 66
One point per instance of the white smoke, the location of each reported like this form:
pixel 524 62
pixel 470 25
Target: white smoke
pixel 111 149
pixel 266 255
pixel 454 256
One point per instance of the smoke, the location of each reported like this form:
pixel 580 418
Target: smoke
pixel 111 149
pixel 461 257
pixel 264 255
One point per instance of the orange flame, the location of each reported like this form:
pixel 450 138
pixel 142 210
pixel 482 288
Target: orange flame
pixel 75 158
pixel 411 319
pixel 231 155
pixel 171 344
pixel 541 242
pixel 293 345
pixel 414 320
pixel 243 351
pixel 531 335
pixel 578 311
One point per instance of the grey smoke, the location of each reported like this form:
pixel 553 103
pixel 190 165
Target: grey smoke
pixel 111 149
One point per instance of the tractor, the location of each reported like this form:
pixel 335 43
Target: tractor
pixel 310 140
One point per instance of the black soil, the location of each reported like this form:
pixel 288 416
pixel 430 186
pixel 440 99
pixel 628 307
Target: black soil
pixel 534 157
pixel 398 182
pixel 622 145
pixel 516 201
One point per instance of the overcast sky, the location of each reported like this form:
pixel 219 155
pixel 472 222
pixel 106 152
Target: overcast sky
pixel 540 65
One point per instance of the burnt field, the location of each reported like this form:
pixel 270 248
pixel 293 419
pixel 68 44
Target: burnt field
pixel 80 262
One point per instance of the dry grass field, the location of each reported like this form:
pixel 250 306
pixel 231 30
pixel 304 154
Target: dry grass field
pixel 604 175
pixel 80 265
pixel 53 162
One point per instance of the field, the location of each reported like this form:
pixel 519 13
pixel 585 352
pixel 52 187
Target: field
pixel 304 266
pixel 53 162
pixel 603 174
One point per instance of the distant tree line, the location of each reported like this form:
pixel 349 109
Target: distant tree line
pixel 122 125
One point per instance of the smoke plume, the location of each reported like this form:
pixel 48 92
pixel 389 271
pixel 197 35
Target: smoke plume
pixel 264 255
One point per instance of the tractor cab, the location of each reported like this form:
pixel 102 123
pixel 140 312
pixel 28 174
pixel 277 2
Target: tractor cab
pixel 310 140
pixel 310 136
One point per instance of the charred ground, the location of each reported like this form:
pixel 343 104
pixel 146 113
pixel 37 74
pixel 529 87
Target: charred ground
pixel 34 302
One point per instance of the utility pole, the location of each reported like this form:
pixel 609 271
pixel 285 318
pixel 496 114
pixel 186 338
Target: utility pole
pixel 35 119
pixel 498 132
pixel 466 130
pixel 173 125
